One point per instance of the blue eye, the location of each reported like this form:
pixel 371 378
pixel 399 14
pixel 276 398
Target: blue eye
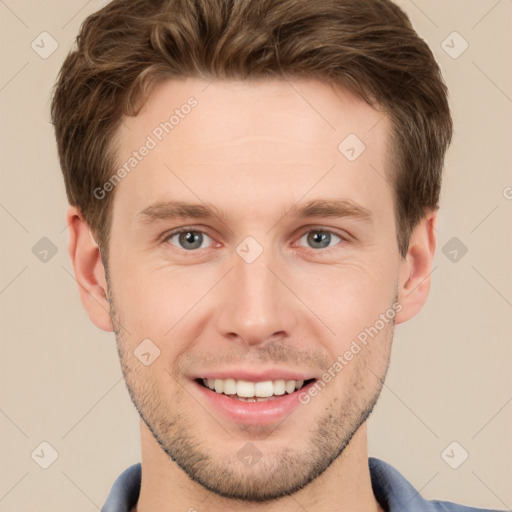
pixel 319 239
pixel 188 239
pixel 191 240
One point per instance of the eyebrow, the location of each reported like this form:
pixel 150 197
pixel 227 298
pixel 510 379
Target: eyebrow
pixel 169 210
pixel 337 208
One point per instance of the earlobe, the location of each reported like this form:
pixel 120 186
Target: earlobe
pixel 89 271
pixel 416 267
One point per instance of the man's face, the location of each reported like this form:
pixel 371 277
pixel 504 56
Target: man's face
pixel 265 291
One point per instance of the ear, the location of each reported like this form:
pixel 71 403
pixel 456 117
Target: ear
pixel 416 267
pixel 89 271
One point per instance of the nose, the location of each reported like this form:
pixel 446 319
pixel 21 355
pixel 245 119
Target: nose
pixel 256 307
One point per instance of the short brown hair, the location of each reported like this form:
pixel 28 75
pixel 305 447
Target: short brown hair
pixel 366 46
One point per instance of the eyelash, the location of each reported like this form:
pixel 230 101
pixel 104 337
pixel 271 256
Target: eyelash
pixel 343 239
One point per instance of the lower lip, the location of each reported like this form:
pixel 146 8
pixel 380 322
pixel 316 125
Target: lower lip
pixel 252 413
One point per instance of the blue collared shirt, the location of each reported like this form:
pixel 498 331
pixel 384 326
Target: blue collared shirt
pixel 391 489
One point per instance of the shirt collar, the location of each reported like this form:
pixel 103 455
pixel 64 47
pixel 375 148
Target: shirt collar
pixel 391 489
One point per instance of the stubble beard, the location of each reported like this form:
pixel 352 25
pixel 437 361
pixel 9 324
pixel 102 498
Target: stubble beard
pixel 275 475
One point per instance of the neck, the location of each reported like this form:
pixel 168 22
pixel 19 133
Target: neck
pixel 345 485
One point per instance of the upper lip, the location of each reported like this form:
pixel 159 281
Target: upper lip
pixel 256 376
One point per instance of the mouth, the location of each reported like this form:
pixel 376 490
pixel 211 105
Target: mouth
pixel 248 391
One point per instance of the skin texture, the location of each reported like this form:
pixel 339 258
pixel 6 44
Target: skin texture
pixel 254 150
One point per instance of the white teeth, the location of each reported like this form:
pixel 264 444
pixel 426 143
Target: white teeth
pixel 253 391
pixel 279 387
pixel 264 389
pixel 230 387
pixel 219 385
pixel 290 386
pixel 245 388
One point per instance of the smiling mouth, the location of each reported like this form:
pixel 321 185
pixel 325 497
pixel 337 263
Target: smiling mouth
pixel 248 391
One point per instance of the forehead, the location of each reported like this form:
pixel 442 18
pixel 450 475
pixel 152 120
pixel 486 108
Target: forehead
pixel 262 140
pixel 309 110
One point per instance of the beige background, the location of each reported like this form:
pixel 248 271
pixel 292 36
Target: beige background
pixel 450 373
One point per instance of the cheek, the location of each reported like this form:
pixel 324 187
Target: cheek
pixel 349 297
pixel 158 302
